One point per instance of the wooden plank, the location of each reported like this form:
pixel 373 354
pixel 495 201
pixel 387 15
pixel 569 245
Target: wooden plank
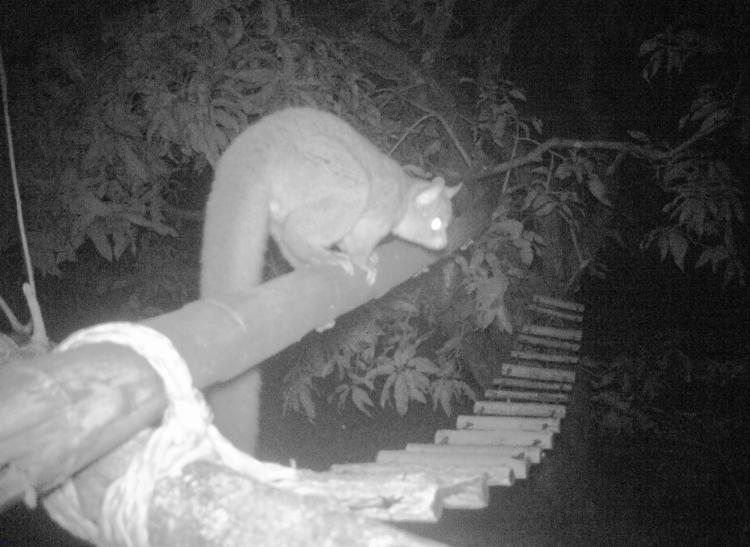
pixel 548 343
pixel 558 303
pixel 542 439
pixel 472 462
pixel 553 332
pixel 564 359
pixel 535 385
pixel 503 408
pixel 536 396
pixel 516 370
pixel 524 423
pixel 531 453
pixel 456 488
pixel 572 317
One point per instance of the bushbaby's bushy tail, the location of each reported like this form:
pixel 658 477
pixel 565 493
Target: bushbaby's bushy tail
pixel 234 243
pixel 235 229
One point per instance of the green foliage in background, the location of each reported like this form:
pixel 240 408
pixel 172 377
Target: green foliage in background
pixel 112 123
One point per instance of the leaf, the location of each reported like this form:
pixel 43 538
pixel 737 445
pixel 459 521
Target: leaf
pixel 122 239
pixel 517 94
pixel 509 228
pixel 648 46
pixel 304 396
pixel 714 119
pixel 419 381
pixel 98 236
pixel 401 395
pixel 705 257
pixel 639 136
pixel 364 382
pixel 139 220
pixel 704 110
pixel 308 405
pixel 95 207
pixel 739 211
pixel 663 244
pixel 527 254
pixel 535 238
pixel 405 306
pixel 341 393
pixel 387 386
pixel 503 320
pixel 498 129
pixel 452 344
pixel 362 400
pixel 433 148
pixel 538 125
pixel 442 396
pixel 424 365
pixel 546 209
pixel 226 120
pixel 115 117
pixel 672 206
pixel 255 76
pixel 564 170
pixel 654 65
pixel 678 245
pixel 683 121
pixel 597 189
pixel 417 384
pixel 529 199
pixel 386 368
pixel 492 290
pixel 465 390
pixel 163 124
pixel 403 354
pixel 693 215
pixel 461 261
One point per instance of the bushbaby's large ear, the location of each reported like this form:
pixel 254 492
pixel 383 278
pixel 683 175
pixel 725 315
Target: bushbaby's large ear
pixel 431 192
pixel 451 191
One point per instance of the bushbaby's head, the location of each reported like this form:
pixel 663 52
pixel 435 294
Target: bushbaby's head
pixel 428 214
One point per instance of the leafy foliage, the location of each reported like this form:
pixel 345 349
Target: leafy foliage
pixel 639 390
pixel 704 198
pixel 545 182
pixel 378 353
pixel 107 129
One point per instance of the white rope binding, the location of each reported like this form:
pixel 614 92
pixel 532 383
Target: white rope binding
pixel 186 434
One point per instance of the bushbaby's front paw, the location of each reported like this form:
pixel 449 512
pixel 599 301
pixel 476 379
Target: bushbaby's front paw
pixel 342 260
pixel 348 262
pixel 370 268
pixel 372 273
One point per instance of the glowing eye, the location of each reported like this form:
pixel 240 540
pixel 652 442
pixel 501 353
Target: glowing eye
pixel 436 224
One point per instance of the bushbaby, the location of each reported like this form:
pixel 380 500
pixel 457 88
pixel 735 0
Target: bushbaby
pixel 326 195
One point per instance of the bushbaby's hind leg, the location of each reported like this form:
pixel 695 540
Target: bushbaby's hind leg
pixel 302 247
